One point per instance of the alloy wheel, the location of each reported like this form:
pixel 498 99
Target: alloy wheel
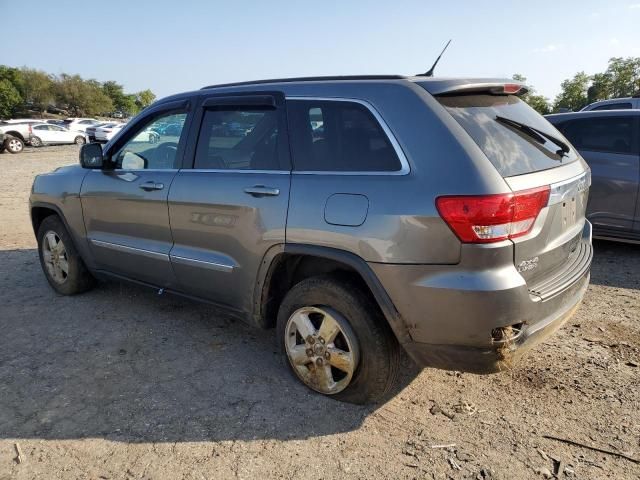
pixel 55 258
pixel 321 348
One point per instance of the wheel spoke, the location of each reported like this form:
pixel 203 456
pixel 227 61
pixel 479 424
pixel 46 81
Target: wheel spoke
pixel 298 355
pixel 340 359
pixel 324 378
pixel 46 255
pixel 329 329
pixel 58 271
pixel 51 241
pixel 64 265
pixel 304 325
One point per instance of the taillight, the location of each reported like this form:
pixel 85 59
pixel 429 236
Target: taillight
pixel 491 218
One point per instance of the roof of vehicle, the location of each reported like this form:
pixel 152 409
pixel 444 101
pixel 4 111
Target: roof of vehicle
pixel 593 113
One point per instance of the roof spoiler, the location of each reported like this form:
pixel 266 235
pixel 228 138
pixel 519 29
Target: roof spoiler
pixel 469 86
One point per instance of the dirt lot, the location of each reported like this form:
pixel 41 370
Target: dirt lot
pixel 121 384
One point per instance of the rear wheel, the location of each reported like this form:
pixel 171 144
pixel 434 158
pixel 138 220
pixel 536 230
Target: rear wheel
pixel 36 142
pixel 79 140
pixel 13 145
pixel 60 261
pixel 336 340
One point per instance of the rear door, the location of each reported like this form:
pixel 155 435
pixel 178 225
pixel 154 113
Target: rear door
pixel 529 160
pixel 609 144
pixel 125 207
pixel 229 206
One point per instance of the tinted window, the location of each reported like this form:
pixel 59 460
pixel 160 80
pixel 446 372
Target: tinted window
pixel 148 149
pixel 338 136
pixel 510 150
pixel 41 127
pixel 601 134
pixel 238 139
pixel 613 106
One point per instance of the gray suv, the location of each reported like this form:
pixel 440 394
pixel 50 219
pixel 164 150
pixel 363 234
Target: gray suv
pixel 356 215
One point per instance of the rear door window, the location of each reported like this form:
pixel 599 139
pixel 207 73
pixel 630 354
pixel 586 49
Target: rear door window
pixel 338 136
pixel 601 134
pixel 510 150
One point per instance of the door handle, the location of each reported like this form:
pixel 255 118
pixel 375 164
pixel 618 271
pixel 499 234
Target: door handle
pixel 262 191
pixel 148 186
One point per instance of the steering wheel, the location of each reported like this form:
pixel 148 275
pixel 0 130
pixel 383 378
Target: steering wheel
pixel 165 154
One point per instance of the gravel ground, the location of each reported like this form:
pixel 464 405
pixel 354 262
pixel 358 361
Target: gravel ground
pixel 119 383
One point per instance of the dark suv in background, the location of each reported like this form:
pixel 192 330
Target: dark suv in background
pixel 609 141
pixel 356 215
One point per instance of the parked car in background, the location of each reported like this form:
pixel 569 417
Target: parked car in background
pixel 609 142
pixel 444 216
pixel 106 132
pixel 56 122
pixel 91 131
pixel 623 103
pixel 80 124
pixel 48 134
pixel 117 114
pixel 17 135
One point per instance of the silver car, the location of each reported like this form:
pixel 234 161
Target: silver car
pixel 356 215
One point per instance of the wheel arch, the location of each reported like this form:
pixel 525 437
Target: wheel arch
pixel 14 133
pixel 285 265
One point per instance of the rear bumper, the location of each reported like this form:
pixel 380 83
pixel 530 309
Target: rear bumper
pixel 453 312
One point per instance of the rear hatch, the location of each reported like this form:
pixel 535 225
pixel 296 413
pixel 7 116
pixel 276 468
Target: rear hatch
pixel 532 157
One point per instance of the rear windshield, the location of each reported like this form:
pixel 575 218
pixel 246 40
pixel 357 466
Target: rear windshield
pixel 511 150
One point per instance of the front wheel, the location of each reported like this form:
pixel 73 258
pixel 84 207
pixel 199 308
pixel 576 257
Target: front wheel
pixel 336 340
pixel 79 140
pixel 14 145
pixel 36 142
pixel 60 261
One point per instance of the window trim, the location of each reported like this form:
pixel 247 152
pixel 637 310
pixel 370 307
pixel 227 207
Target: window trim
pixel 405 168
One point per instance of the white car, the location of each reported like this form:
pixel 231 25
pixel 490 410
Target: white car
pixel 145 136
pixel 80 124
pixel 48 134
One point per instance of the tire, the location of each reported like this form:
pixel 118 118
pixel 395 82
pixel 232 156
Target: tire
pixel 36 142
pixel 373 348
pixel 77 278
pixel 13 145
pixel 80 140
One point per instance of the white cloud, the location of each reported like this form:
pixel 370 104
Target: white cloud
pixel 552 47
pixel 634 6
pixel 614 41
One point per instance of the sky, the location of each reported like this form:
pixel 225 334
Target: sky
pixel 174 46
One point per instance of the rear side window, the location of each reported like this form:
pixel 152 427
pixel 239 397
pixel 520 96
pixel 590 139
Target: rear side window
pixel 338 136
pixel 511 150
pixel 238 139
pixel 613 106
pixel 600 134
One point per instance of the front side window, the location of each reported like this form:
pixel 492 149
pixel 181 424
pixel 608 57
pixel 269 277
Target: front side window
pixel 338 136
pixel 41 127
pixel 148 148
pixel 238 139
pixel 600 134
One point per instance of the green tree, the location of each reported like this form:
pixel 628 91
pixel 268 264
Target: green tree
pixel 573 95
pixel 10 98
pixel 83 97
pixel 539 103
pixel 600 88
pixel 37 88
pixel 130 106
pixel 145 98
pixel 625 76
pixel 115 92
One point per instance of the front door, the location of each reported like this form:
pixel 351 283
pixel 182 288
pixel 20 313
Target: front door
pixel 125 206
pixel 231 207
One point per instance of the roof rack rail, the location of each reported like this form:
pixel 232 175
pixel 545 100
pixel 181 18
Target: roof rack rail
pixel 309 79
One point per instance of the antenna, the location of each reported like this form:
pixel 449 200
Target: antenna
pixel 429 73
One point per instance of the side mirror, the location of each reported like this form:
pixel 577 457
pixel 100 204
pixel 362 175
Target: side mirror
pixel 91 156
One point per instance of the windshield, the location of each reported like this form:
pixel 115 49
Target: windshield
pixel 511 150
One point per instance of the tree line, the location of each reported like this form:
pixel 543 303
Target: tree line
pixel 26 89
pixel 620 79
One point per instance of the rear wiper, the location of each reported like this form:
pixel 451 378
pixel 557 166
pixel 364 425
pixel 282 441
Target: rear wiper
pixel 537 135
